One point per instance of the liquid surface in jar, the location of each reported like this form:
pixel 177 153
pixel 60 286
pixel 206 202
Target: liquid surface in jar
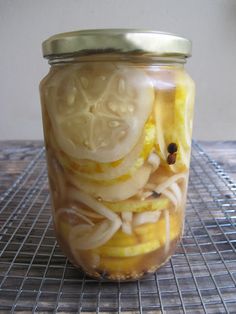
pixel 118 140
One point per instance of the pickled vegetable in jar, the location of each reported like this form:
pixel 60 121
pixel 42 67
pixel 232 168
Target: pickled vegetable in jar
pixel 117 109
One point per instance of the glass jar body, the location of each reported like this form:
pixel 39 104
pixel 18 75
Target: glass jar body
pixel 118 140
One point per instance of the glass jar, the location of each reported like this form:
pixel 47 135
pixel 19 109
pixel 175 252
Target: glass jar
pixel 117 109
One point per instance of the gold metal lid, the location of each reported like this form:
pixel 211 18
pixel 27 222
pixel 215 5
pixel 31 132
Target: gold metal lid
pixel 133 41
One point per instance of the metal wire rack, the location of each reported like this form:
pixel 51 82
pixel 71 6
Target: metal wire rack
pixel 200 277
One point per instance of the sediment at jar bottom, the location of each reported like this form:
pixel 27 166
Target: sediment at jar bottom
pixel 118 149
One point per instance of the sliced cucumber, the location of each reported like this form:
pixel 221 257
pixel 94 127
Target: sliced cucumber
pixel 117 191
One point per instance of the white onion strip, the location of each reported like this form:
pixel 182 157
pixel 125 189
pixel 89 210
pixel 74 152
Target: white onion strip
pixel 146 195
pixel 85 218
pixel 166 193
pixel 80 240
pixel 127 220
pixel 177 192
pixel 146 217
pixel 87 213
pixel 167 183
pixel 154 160
pixel 72 211
pixel 100 234
pixel 93 204
pixel 127 216
pixel 162 188
pixel 170 196
pixel 167 225
pixel 83 229
pixel 126 227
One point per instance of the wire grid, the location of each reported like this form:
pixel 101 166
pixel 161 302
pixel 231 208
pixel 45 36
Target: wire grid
pixel 200 277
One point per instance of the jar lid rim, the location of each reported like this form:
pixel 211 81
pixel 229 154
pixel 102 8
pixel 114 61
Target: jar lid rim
pixel 124 41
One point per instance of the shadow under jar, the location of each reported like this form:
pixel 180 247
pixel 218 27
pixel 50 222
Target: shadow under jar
pixel 117 109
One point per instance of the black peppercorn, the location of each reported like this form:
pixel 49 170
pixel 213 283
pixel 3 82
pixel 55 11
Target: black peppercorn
pixel 172 148
pixel 171 159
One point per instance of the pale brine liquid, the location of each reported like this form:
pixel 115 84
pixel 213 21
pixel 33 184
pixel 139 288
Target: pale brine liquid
pixel 118 140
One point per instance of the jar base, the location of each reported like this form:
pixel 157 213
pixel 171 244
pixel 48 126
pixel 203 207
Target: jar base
pixel 154 261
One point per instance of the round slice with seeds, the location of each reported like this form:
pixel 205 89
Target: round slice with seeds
pixel 108 171
pixel 98 111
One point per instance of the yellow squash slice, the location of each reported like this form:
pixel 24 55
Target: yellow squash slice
pixel 173 112
pixel 138 205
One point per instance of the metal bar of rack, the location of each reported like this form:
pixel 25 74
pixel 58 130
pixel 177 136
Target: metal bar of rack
pixel 200 277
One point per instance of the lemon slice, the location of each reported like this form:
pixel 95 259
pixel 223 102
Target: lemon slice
pixel 138 205
pixel 98 110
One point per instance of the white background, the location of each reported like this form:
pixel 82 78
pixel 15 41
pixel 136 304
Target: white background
pixel 211 24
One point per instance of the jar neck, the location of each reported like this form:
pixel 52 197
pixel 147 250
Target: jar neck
pixel 140 59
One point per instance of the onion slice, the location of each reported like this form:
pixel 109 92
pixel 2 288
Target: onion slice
pixel 87 213
pixel 171 197
pixel 85 218
pixel 154 160
pixel 127 220
pixel 83 229
pixel 145 195
pixel 126 227
pixel 93 204
pixel 99 235
pixel 146 217
pixel 72 211
pixel 177 192
pixel 127 216
pixel 167 183
pixel 114 192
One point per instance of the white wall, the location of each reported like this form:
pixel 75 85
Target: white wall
pixel 211 24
